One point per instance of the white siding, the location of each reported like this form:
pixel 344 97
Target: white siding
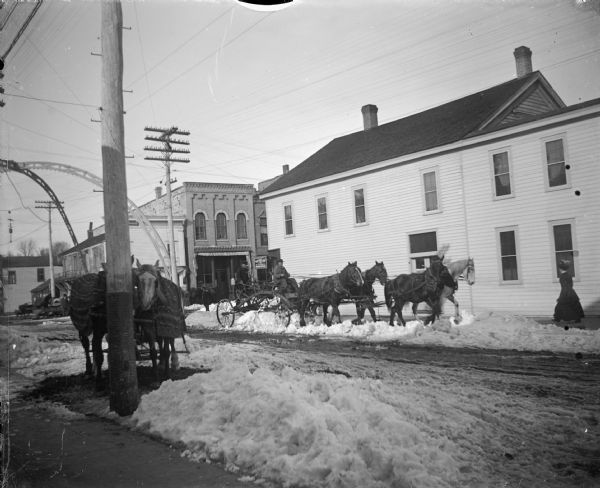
pixel 467 222
pixel 20 293
pixel 531 211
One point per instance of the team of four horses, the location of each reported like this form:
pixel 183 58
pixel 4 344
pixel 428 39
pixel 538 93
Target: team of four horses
pixel 159 316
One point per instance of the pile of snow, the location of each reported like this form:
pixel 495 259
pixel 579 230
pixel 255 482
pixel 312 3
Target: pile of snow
pixel 306 429
pixel 486 330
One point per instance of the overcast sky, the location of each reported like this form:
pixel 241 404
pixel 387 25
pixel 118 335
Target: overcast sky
pixel 258 89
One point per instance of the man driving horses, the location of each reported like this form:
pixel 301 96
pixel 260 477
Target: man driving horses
pixel 282 278
pixel 242 277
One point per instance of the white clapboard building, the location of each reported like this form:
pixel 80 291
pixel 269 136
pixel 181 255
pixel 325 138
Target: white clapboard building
pixel 508 176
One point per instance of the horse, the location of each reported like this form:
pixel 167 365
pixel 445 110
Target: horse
pixel 418 287
pixel 203 294
pixel 464 267
pixel 377 272
pixel 160 313
pixel 87 309
pixel 329 290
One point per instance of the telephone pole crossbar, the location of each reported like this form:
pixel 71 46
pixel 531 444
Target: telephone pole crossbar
pixel 167 150
pixel 49 205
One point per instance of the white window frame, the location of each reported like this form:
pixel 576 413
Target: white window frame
pixel 353 199
pixel 317 198
pixel 426 255
pixel 283 205
pixel 568 165
pixel 508 152
pixel 575 250
pixel 423 172
pixel 501 280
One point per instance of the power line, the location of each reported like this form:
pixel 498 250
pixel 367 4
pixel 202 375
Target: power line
pixel 49 100
pixel 173 80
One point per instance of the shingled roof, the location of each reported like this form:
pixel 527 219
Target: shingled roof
pixel 435 127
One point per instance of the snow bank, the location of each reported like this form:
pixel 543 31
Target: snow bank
pixel 488 330
pixel 309 430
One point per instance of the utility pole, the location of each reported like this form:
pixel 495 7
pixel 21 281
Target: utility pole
pixel 124 396
pixel 50 206
pixel 167 150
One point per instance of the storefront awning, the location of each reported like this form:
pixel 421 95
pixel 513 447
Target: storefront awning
pixel 222 251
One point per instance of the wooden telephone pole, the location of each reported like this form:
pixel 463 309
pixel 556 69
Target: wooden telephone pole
pixel 50 206
pixel 167 150
pixel 124 396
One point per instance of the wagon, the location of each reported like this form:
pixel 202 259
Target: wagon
pixel 282 305
pixel 260 298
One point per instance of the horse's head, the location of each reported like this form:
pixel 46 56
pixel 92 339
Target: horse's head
pixel 378 272
pixel 147 282
pixel 351 276
pixel 469 273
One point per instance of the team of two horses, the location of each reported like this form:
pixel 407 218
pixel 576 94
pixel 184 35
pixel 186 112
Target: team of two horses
pixel 436 284
pixel 158 315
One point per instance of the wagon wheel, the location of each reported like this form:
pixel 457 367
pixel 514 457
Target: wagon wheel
pixel 225 313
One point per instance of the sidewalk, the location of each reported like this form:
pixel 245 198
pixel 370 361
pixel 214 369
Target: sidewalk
pixel 51 449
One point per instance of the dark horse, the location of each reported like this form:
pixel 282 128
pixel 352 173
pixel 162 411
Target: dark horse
pixel 464 268
pixel 88 314
pixel 203 294
pixel 329 290
pixel 366 292
pixel 159 314
pixel 418 287
pixel 87 309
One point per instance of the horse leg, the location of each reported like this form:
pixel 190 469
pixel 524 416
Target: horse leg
pixel 372 312
pixel 164 352
pixel 98 356
pixel 392 311
pixel 399 306
pixel 85 342
pixel 436 311
pixel 174 355
pixel 335 312
pixel 360 314
pixel 415 306
pixel 326 320
pixel 453 299
pixel 302 311
pixel 153 356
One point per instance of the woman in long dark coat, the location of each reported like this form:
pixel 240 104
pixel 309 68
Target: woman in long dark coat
pixel 568 307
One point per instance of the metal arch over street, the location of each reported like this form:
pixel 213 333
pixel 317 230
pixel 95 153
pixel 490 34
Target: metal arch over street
pixel 27 167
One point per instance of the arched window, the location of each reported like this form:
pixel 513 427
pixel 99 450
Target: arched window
pixel 200 226
pixel 240 227
pixel 221 226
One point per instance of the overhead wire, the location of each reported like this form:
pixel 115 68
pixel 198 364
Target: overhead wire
pixel 173 80
pixel 21 199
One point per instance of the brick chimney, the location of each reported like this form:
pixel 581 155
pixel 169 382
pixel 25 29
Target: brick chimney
pixel 286 169
pixel 523 61
pixel 158 192
pixel 369 116
pixel 90 232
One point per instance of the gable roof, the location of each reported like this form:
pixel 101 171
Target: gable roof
pixel 91 241
pixel 515 101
